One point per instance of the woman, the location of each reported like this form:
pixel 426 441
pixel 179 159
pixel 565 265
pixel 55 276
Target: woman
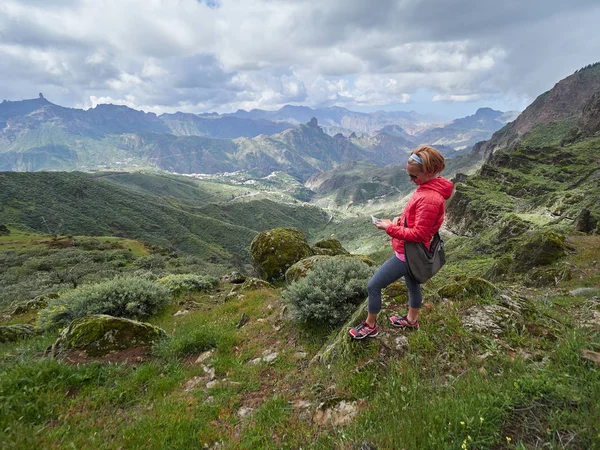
pixel 423 217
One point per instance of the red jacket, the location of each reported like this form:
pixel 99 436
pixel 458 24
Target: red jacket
pixel 424 214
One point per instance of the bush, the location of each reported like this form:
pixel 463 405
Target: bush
pixel 330 292
pixel 129 297
pixel 187 282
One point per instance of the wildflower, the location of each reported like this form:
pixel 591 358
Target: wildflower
pixel 469 438
pixel 462 423
pixel 464 445
pixel 508 439
pixel 481 420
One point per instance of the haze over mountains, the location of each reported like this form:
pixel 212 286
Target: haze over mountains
pixel 39 135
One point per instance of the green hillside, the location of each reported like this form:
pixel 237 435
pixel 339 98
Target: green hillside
pixel 171 212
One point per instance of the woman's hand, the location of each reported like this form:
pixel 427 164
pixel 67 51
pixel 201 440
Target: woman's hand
pixel 382 224
pixel 395 220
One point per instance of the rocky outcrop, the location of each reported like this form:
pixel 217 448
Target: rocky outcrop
pixel 468 287
pixel 12 333
pixel 100 334
pixel 540 248
pixel 275 251
pixel 329 247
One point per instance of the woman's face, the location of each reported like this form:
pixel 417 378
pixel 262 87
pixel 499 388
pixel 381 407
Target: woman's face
pixel 415 174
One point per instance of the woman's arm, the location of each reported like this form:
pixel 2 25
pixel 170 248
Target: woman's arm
pixel 427 212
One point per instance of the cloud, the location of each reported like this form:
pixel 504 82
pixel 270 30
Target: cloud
pixel 190 55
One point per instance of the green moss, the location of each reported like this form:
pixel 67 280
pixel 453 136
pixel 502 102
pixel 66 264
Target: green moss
pixel 100 334
pixel 540 248
pixel 329 247
pixel 302 267
pixel 12 333
pixel 468 288
pixel 548 276
pixel 276 250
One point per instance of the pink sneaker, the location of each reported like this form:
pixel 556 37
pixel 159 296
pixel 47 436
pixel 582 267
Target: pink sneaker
pixel 403 322
pixel 363 330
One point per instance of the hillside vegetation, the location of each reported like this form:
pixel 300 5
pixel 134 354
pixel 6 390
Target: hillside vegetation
pixel 176 213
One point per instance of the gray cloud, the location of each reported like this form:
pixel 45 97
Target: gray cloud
pixel 197 56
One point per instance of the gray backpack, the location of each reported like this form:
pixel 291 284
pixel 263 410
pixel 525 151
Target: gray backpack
pixel 422 263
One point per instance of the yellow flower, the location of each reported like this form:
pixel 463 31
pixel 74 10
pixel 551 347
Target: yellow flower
pixel 508 439
pixel 462 423
pixel 481 420
pixel 464 445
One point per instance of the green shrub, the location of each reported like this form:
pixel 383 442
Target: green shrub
pixel 330 292
pixel 129 297
pixel 187 282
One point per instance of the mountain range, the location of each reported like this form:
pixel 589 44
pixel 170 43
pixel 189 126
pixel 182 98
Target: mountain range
pixel 39 135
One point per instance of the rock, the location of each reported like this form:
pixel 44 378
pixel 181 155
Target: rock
pixel 255 362
pixel 302 267
pixel 401 343
pixel 547 276
pixel 469 287
pixel 341 414
pixel 489 319
pixel 591 356
pixel 585 222
pixel 209 399
pixel 191 384
pixel 329 247
pixel 256 283
pixel 275 251
pixel 35 304
pixel 282 312
pixel 181 312
pixel 540 248
pixel 210 371
pixel 584 292
pixel 13 333
pixel 212 384
pixel 245 412
pixel 233 277
pixel 204 356
pixel 99 334
pixel 269 358
pixel 4 231
pixel 300 355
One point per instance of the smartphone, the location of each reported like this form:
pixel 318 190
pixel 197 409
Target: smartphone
pixel 375 219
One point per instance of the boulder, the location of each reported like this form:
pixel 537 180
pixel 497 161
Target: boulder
pixel 256 283
pixel 540 248
pixel 12 333
pixel 494 319
pixel 275 251
pixel 35 304
pixel 468 287
pixel 4 231
pixel 329 247
pixel 100 334
pixel 233 277
pixel 302 267
pixel 547 276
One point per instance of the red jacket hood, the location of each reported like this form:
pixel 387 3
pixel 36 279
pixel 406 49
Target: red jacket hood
pixel 440 184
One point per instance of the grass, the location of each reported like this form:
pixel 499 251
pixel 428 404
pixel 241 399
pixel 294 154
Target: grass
pixel 453 388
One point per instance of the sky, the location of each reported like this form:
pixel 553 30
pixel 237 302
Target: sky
pixel 446 57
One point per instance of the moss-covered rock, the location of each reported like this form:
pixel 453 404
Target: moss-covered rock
pixel 12 333
pixel 35 304
pixel 302 267
pixel 275 251
pixel 100 334
pixel 4 231
pixel 256 283
pixel 500 268
pixel 468 287
pixel 540 248
pixel 547 276
pixel 329 247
